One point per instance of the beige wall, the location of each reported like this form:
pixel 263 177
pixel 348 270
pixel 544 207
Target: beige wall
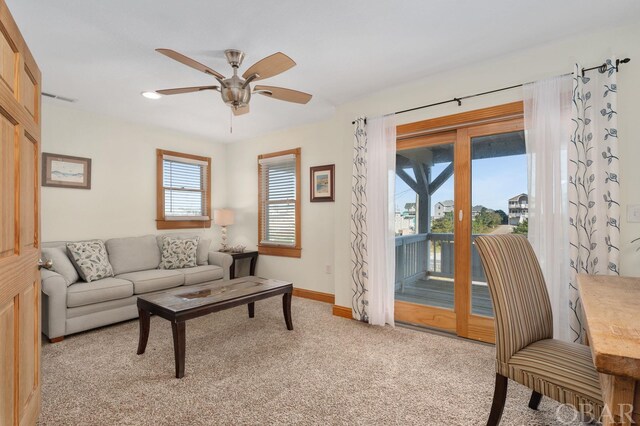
pixel 331 142
pixel 310 271
pixel 122 199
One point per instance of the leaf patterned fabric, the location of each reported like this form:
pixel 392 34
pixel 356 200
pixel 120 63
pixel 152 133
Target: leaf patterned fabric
pixel 179 253
pixel 359 255
pixel 90 259
pixel 593 183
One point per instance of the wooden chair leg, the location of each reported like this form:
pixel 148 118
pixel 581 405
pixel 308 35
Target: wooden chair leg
pixel 535 400
pixel 499 398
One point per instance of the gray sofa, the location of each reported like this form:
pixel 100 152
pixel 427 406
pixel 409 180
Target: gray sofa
pixel 70 305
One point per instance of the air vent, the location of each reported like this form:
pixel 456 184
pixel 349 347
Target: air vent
pixel 60 98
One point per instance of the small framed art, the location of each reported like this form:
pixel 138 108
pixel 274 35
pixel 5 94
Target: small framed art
pixel 322 183
pixel 65 171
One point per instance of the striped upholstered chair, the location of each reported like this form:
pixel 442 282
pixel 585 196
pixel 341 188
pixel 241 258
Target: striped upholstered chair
pixel 525 349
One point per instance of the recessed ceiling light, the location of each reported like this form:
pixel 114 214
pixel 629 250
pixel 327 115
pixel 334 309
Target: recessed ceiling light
pixel 151 95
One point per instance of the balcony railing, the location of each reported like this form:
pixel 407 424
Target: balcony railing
pixel 421 256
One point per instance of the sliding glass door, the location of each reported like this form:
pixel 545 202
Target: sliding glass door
pixel 451 187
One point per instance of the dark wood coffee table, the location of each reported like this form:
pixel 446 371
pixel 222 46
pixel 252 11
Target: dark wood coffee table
pixel 186 303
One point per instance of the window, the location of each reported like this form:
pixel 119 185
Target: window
pixel 279 209
pixel 183 190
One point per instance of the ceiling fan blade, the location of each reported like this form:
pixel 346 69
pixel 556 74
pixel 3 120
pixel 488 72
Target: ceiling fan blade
pixel 189 62
pixel 283 94
pixel 240 111
pixel 185 90
pixel 270 66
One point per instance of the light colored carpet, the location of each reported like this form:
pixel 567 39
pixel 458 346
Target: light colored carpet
pixel 241 371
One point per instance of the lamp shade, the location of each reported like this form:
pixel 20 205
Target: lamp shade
pixel 223 217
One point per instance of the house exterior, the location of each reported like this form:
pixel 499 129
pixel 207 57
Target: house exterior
pixel 475 210
pixel 442 207
pixel 405 222
pixel 518 209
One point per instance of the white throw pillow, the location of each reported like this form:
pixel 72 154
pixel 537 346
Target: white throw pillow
pixel 179 253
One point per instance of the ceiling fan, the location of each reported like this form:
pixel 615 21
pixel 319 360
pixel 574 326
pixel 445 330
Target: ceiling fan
pixel 236 91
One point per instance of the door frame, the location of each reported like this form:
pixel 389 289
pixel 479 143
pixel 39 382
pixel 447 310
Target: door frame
pixel 457 129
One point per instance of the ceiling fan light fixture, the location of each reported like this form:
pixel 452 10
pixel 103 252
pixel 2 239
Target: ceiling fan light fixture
pixel 233 92
pixel 152 95
pixel 236 90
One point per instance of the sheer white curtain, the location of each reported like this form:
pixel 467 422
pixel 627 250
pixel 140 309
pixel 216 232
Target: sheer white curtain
pixel 381 172
pixel 372 215
pixel 547 115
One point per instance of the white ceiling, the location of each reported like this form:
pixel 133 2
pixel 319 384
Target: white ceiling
pixel 102 52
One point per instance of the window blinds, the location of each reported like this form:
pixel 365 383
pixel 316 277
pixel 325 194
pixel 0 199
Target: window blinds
pixel 278 201
pixel 185 188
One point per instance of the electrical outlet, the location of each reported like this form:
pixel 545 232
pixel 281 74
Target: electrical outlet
pixel 633 213
pixel 327 269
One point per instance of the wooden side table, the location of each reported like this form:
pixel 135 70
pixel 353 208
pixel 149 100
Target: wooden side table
pixel 253 255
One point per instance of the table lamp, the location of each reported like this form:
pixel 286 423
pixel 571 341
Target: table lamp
pixel 223 218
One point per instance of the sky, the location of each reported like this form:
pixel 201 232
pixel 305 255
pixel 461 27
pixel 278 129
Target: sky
pixel 493 182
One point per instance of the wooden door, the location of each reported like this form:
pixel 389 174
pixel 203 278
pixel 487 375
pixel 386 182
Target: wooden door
pixel 19 227
pixel 478 324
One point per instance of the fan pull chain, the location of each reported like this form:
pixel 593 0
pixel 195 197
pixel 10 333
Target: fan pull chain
pixel 230 121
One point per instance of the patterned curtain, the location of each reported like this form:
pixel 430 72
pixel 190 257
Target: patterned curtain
pixel 593 189
pixel 359 255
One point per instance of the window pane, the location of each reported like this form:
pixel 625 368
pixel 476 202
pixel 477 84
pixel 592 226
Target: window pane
pixel 424 225
pixel 279 202
pixel 499 200
pixel 182 175
pixel 281 226
pixel 282 182
pixel 184 188
pixel 183 203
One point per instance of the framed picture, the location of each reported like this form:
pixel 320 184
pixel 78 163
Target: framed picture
pixel 322 178
pixel 64 171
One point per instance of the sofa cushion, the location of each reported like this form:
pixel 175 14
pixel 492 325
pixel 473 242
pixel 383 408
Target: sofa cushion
pixel 81 293
pixel 202 253
pixel 178 253
pixel 152 280
pixel 90 259
pixel 201 274
pixel 61 263
pixel 133 254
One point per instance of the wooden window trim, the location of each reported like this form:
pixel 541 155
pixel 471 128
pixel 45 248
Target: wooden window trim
pixel 272 249
pixel 460 120
pixel 161 222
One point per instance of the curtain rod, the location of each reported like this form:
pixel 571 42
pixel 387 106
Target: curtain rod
pixel 602 68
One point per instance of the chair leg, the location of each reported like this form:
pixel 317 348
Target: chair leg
pixel 499 398
pixel 535 400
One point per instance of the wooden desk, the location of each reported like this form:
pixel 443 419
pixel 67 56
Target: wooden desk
pixel 612 312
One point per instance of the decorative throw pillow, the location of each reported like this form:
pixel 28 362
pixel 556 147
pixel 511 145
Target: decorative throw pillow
pixel 179 253
pixel 90 259
pixel 61 263
pixel 202 253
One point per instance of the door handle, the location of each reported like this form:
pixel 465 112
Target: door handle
pixel 46 264
pixel 460 215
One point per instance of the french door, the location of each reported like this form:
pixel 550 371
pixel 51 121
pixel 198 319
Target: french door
pixel 455 181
